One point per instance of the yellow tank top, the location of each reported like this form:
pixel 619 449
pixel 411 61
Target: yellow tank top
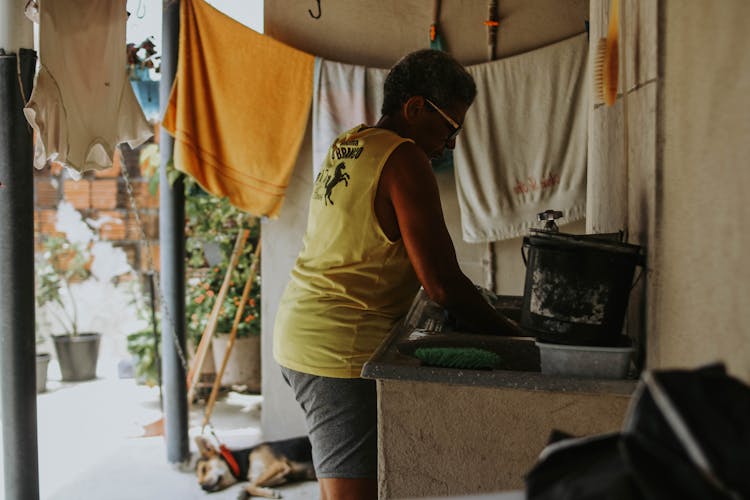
pixel 350 283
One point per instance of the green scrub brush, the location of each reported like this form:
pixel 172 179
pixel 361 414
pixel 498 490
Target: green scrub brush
pixel 457 357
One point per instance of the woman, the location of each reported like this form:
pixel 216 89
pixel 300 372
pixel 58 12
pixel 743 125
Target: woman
pixel 375 232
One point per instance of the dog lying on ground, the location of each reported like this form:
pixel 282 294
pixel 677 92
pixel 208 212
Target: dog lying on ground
pixel 265 466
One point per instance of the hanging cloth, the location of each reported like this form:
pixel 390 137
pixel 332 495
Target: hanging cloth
pixel 524 145
pixel 238 108
pixel 82 105
pixel 344 95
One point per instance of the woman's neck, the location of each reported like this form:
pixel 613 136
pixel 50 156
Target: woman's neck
pixel 388 122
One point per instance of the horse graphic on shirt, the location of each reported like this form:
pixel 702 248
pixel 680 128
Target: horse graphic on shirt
pixel 338 176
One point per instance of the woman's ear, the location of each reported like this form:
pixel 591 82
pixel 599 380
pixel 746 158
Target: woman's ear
pixel 413 108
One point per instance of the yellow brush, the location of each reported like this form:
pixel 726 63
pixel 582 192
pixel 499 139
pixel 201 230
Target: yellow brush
pixel 607 59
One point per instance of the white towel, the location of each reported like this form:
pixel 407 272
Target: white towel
pixel 344 95
pixel 523 147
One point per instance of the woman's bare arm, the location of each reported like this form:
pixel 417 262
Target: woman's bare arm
pixel 410 185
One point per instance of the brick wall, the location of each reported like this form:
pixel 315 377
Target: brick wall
pixel 103 194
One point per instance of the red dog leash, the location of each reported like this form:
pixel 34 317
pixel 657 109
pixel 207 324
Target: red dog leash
pixel 227 455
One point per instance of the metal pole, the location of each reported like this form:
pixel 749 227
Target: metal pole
pixel 17 320
pixel 172 244
pixel 155 331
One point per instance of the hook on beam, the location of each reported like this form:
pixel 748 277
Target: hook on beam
pixel 319 12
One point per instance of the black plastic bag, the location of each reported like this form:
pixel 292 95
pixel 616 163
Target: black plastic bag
pixel 686 436
pixel 702 416
pixel 582 469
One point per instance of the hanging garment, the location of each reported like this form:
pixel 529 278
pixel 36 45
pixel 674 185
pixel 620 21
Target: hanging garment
pixel 238 108
pixel 82 105
pixel 523 148
pixel 344 95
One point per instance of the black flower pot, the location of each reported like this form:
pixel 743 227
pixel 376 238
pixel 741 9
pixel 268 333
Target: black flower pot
pixel 77 355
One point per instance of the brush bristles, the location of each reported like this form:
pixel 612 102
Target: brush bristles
pixel 611 67
pixel 605 72
pixel 600 58
pixel 458 357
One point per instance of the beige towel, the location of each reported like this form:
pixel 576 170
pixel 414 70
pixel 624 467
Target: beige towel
pixel 238 108
pixel 344 95
pixel 82 105
pixel 523 148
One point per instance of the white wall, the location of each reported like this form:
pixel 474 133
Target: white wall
pixel 681 190
pixel 282 241
pixel 703 286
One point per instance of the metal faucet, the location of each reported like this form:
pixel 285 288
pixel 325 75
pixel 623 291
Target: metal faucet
pixel 549 217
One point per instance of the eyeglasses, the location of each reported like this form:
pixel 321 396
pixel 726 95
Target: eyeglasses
pixel 455 127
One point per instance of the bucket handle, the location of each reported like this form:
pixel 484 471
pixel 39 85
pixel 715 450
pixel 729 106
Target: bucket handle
pixel 636 280
pixel 641 263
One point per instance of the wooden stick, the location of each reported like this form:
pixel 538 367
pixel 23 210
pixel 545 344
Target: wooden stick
pixel 200 351
pixel 208 332
pixel 232 336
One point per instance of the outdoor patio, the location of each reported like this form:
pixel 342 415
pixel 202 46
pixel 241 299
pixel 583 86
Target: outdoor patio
pixel 89 447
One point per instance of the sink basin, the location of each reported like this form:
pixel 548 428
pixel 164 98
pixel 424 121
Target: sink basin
pixel 425 326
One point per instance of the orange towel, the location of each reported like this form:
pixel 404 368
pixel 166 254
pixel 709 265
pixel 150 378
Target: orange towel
pixel 238 108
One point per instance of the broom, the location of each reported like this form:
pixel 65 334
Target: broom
pixel 156 428
pixel 232 336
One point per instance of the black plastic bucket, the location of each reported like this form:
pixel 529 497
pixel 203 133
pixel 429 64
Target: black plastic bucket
pixel 577 288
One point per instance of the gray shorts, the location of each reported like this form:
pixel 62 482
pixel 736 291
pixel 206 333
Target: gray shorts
pixel 341 416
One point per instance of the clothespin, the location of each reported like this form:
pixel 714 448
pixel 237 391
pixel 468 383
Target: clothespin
pixel 436 41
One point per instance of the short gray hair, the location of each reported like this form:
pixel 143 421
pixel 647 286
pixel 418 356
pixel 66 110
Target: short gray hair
pixel 433 74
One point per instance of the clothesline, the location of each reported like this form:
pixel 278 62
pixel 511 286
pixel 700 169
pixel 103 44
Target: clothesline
pixel 494 199
pixel 239 117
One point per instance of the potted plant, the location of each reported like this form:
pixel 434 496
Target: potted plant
pixel 143 345
pixel 243 366
pixel 42 363
pixel 62 264
pixel 211 229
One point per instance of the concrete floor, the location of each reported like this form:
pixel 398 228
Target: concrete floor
pixel 90 449
pixel 91 445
